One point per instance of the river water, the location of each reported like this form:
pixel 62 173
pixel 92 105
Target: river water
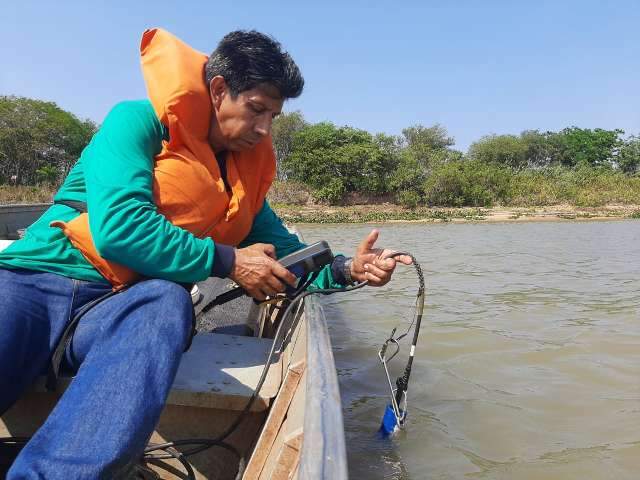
pixel 528 365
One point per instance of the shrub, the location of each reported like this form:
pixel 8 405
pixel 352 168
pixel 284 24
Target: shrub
pixel 409 198
pixel 332 193
pixel 289 193
pixel 338 160
pixel 629 158
pixel 507 150
pixel 584 187
pixel 467 183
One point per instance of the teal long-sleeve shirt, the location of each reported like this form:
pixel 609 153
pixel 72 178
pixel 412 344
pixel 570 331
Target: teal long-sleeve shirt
pixel 114 176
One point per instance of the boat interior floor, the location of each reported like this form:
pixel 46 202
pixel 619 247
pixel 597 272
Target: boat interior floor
pixel 231 317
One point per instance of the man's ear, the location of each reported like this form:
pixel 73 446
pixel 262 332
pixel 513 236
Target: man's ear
pixel 217 90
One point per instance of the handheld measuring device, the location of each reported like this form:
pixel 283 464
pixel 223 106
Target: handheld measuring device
pixel 303 262
pixel 310 259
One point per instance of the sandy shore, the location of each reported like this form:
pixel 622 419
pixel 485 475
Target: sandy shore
pixel 558 213
pixel 394 213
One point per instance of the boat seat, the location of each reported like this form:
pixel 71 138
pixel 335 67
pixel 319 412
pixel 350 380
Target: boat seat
pixel 222 371
pixel 218 371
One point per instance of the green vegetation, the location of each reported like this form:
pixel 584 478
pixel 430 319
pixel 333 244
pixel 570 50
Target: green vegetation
pixel 334 161
pixel 474 183
pixel 343 165
pixel 325 164
pixel 360 214
pixel 39 142
pixel 282 134
pixel 10 194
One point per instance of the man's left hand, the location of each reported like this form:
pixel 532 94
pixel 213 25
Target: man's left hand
pixel 374 264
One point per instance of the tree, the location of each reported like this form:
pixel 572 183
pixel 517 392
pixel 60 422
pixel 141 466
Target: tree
pixel 335 161
pixel 36 134
pixel 506 150
pixel 434 137
pixel 407 179
pixel 47 174
pixel 629 157
pixel 284 128
pixel 575 146
pixel 425 142
pixel 538 149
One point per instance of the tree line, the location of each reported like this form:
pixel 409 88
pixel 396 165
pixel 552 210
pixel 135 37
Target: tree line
pixel 39 142
pixel 420 166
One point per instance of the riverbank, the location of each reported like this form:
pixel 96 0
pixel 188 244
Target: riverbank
pixel 387 212
pixel 395 213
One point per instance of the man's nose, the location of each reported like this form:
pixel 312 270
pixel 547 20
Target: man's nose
pixel 263 125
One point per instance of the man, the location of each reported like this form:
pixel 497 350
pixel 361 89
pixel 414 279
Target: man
pixel 170 191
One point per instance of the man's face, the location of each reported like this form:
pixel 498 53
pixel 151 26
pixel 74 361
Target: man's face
pixel 240 123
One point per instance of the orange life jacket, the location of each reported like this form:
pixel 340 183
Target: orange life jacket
pixel 187 186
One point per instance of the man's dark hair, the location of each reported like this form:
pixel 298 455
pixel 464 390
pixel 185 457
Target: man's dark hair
pixel 248 58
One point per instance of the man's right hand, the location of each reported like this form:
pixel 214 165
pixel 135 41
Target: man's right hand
pixel 257 271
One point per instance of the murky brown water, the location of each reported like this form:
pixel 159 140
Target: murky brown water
pixel 528 365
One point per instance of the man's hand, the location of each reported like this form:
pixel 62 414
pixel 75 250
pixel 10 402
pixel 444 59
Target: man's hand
pixel 257 271
pixel 374 264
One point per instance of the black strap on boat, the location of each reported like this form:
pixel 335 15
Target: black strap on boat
pixel 56 359
pixel 194 318
pixel 75 204
pixel 224 297
pixel 58 354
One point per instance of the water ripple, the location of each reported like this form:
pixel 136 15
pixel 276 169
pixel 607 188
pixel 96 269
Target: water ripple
pixel 528 360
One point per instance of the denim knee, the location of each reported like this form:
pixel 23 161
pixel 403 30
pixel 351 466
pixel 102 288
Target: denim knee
pixel 175 307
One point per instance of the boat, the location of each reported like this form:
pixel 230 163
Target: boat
pixel 293 429
pixel 16 217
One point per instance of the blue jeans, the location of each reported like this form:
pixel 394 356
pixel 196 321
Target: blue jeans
pixel 124 353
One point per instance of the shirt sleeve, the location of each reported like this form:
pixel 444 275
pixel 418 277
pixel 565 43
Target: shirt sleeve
pixel 125 224
pixel 268 228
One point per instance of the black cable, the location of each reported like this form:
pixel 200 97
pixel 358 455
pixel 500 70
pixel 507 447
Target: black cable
pixel 402 382
pixel 219 440
pixel 13 444
pixel 176 454
pixel 12 440
pixel 272 351
pixel 206 443
pixel 210 442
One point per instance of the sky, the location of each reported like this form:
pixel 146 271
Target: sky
pixel 475 67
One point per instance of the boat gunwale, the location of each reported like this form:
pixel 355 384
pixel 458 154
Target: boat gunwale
pixel 323 452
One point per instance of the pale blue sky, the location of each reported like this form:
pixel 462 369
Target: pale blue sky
pixel 476 67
